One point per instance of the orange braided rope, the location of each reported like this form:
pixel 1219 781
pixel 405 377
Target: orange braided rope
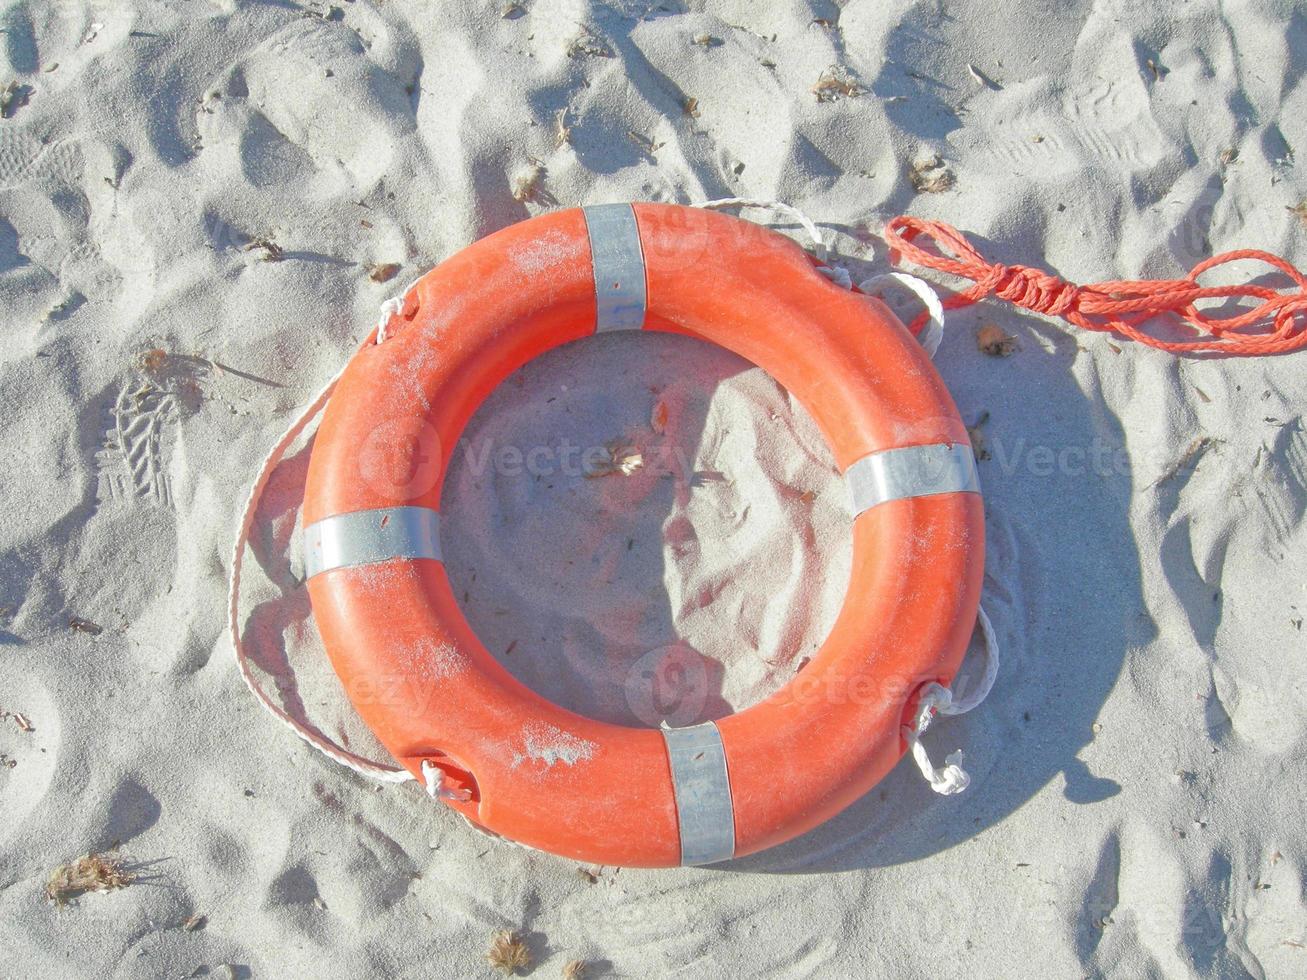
pixel 1119 306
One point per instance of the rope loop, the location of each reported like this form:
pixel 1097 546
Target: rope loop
pixel 931 333
pixel 245 527
pixel 1275 325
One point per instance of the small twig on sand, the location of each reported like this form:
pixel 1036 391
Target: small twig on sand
pixel 562 131
pixel 1196 448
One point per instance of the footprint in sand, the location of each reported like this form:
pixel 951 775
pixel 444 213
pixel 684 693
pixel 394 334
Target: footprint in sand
pixel 24 156
pixel 133 462
pixel 311 102
pixel 73 225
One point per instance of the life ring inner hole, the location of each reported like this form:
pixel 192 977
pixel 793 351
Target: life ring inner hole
pixel 646 528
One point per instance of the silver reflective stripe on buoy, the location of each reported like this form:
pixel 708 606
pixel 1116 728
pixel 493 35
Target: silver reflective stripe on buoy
pixel 913 471
pixel 618 266
pixel 367 536
pixel 703 793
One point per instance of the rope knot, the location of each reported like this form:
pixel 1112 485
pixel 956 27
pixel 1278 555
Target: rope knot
pixel 433 779
pixel 1036 290
pixel 1270 323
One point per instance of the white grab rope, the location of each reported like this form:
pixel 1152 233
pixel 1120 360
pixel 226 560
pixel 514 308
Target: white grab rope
pixel 933 332
pixel 960 706
pixel 937 699
pixel 433 780
pixel 390 309
pixel 835 273
pixel 362 766
pixel 810 226
pixel 952 778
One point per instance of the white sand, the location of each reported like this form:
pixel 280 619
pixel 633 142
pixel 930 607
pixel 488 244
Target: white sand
pixel 1137 803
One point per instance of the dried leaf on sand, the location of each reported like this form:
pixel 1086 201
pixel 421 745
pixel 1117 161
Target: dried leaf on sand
pixel 930 175
pixel 587 43
pixel 12 98
pixel 89 873
pixel 153 361
pixel 272 252
pixel 977 435
pixel 992 340
pixel 528 185
pixel 623 460
pixel 508 953
pixel 835 84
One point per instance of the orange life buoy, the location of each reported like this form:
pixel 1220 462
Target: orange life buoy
pixel 521 766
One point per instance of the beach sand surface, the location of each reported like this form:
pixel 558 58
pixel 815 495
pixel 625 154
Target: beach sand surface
pixel 196 201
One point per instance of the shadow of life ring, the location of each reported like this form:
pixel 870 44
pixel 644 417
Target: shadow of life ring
pixel 525 768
